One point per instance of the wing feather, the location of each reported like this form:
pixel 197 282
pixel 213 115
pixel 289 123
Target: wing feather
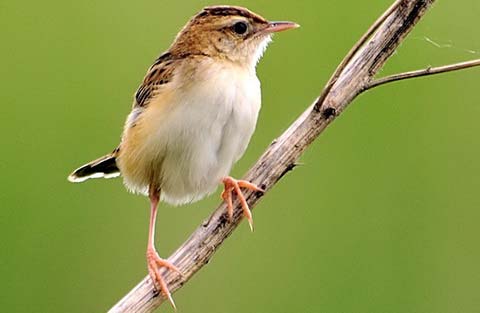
pixel 160 73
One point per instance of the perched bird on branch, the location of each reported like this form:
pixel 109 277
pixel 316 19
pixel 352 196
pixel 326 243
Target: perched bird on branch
pixel 192 118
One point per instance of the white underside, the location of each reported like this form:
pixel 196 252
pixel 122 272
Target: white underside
pixel 194 144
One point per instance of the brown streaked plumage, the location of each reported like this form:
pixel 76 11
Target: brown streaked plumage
pixel 192 118
pixel 158 74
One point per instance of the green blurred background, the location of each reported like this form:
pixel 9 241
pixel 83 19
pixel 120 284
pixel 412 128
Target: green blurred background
pixel 382 217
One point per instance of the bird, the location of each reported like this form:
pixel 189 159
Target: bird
pixel 192 119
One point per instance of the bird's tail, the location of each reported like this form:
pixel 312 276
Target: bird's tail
pixel 104 167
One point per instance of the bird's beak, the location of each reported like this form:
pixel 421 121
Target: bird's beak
pixel 278 26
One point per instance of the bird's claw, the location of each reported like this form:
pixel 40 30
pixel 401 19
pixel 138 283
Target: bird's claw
pixel 154 263
pixel 233 185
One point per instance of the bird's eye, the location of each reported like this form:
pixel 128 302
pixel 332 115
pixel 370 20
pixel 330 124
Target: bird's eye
pixel 240 28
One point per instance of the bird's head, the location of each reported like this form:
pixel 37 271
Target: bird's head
pixel 228 32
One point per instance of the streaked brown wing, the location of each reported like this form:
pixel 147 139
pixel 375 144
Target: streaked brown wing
pixel 160 73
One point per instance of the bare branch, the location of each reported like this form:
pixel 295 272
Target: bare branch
pixel 423 72
pixel 352 76
pixel 357 47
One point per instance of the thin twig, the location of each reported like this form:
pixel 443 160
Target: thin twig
pixel 423 72
pixel 358 69
pixel 370 31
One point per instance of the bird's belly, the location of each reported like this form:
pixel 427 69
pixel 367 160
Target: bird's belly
pixel 208 141
pixel 191 147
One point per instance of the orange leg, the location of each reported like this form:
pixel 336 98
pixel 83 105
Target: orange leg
pixel 233 185
pixel 154 262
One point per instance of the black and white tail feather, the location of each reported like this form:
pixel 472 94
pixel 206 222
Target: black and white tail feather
pixel 104 167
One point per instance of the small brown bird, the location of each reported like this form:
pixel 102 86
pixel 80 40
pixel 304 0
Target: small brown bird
pixel 192 118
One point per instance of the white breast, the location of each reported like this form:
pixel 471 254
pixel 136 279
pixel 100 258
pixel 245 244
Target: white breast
pixel 205 132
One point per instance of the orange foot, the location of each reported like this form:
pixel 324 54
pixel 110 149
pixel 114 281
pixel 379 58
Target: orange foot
pixel 233 185
pixel 154 263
